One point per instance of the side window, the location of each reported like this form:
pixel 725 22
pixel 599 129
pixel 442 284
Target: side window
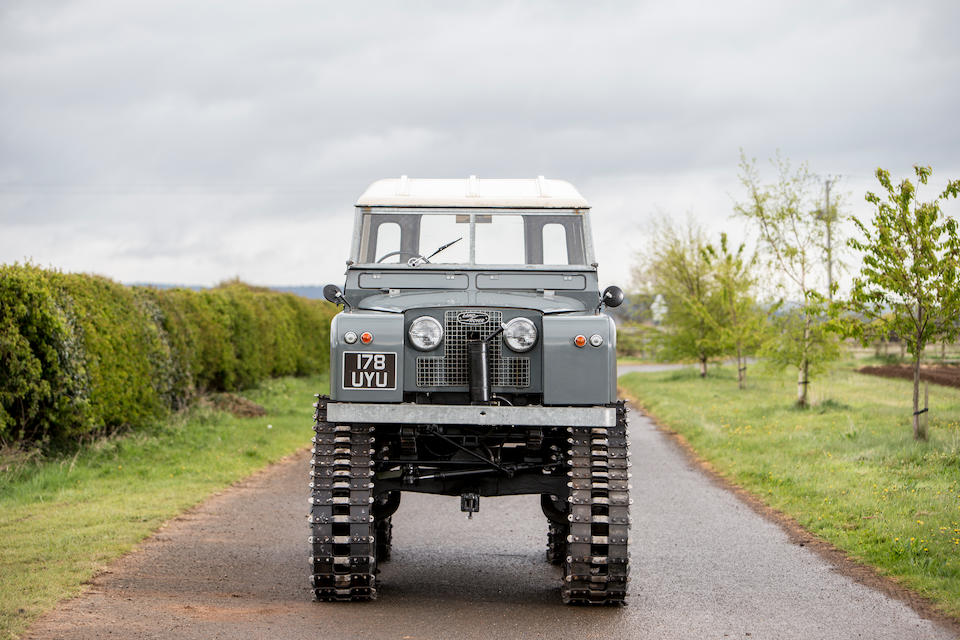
pixel 555 244
pixel 388 239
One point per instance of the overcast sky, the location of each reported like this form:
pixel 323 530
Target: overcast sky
pixel 188 142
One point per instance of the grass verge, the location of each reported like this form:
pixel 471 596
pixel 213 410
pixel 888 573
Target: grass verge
pixel 846 469
pixel 63 520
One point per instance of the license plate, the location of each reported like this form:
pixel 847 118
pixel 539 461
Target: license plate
pixel 367 370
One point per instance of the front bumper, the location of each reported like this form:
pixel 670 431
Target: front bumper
pixel 485 415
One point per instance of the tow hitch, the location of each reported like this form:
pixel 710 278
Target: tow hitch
pixel 469 502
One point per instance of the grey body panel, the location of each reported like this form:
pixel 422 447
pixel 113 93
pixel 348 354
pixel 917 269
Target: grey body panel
pixel 578 375
pixel 534 282
pixel 408 413
pixel 400 302
pixel 388 334
pixel 413 280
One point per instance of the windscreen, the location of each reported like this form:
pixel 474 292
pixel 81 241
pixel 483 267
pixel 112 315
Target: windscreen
pixel 450 237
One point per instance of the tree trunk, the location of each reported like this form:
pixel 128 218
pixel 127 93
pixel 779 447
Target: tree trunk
pixel 703 367
pixel 803 383
pixel 802 380
pixel 741 369
pixel 919 433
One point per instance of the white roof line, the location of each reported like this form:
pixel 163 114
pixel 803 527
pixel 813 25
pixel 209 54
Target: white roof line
pixel 539 192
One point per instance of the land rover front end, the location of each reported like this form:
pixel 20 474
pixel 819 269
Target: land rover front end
pixel 472 358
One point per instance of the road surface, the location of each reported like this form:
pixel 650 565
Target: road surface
pixel 704 565
pixel 666 366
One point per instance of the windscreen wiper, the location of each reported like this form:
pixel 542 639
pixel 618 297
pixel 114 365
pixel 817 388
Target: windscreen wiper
pixel 446 246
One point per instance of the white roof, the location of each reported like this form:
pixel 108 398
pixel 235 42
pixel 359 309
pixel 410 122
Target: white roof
pixel 472 192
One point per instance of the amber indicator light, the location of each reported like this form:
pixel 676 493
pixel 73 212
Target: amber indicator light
pixel 366 337
pixel 580 341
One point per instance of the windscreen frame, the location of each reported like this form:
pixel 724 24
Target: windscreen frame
pixel 579 245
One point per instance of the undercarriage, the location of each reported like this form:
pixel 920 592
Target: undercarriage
pixel 360 469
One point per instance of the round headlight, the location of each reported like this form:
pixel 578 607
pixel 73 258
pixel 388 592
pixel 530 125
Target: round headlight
pixel 520 334
pixel 425 333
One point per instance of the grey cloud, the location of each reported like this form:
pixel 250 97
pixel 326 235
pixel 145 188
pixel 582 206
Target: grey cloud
pixel 129 118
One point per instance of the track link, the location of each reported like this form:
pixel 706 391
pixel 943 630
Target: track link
pixel 597 565
pixel 343 531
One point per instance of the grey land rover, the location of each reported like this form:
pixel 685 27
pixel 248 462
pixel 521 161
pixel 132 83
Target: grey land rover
pixel 472 358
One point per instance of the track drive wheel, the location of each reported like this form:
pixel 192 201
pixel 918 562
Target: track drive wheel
pixel 384 535
pixel 557 543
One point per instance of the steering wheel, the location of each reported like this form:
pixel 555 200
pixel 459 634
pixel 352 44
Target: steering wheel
pixel 413 254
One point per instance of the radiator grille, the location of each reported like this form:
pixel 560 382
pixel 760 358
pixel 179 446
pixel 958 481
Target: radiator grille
pixel 451 369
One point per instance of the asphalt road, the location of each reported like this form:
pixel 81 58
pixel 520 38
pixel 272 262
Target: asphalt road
pixel 666 366
pixel 704 565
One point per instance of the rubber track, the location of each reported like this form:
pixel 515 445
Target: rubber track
pixel 597 566
pixel 343 537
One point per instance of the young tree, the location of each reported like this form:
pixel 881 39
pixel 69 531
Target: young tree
pixel 831 217
pixel 909 278
pixel 791 238
pixel 675 268
pixel 741 323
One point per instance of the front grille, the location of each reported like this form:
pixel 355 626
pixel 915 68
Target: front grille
pixel 451 369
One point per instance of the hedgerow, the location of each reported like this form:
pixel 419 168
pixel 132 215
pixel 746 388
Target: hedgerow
pixel 82 354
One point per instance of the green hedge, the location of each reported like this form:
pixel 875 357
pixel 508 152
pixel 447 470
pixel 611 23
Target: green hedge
pixel 82 354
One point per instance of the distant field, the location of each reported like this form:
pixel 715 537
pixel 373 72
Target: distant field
pixel 846 469
pixel 63 520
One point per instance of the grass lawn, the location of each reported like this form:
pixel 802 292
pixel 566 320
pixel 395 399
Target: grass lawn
pixel 63 520
pixel 847 469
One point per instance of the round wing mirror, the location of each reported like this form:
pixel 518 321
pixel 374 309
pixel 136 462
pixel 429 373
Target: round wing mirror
pixel 333 294
pixel 612 296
